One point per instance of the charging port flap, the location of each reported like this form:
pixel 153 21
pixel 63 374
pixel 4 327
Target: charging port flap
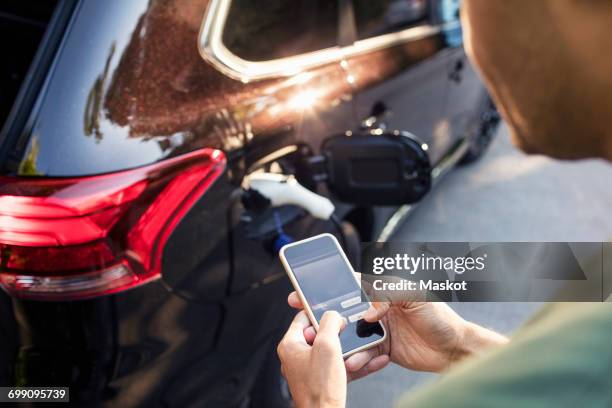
pixel 377 168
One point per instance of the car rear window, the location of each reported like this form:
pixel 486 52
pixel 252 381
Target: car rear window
pixel 22 25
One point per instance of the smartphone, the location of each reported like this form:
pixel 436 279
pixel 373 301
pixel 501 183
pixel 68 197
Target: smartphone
pixel 324 280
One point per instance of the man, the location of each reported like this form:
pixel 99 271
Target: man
pixel 548 65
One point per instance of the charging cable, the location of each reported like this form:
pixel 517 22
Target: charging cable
pixel 282 189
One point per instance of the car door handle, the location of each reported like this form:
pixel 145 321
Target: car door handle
pixel 376 120
pixel 455 74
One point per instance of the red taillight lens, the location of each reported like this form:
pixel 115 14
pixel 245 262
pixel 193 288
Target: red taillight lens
pixel 74 238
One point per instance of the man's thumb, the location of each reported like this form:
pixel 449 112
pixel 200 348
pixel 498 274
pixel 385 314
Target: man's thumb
pixel 331 323
pixel 376 311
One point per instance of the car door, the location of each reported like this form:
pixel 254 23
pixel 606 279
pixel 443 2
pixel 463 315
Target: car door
pixel 466 94
pixel 399 69
pixel 283 56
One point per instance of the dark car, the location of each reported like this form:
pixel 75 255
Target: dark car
pixel 137 269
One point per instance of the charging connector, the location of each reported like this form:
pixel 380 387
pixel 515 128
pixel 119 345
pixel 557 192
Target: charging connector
pixel 282 189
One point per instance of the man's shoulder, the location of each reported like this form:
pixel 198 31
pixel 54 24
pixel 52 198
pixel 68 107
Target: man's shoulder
pixel 563 354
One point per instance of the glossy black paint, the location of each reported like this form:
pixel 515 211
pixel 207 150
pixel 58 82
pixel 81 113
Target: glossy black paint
pixel 130 97
pixel 127 87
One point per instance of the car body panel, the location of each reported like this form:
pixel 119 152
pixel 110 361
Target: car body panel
pixel 135 91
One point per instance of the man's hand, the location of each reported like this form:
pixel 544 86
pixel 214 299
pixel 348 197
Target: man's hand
pixel 426 336
pixel 421 336
pixel 314 369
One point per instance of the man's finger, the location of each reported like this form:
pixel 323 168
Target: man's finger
pixel 367 288
pixel 376 311
pixel 359 360
pixel 327 343
pixel 309 334
pixel 378 363
pixel 374 365
pixel 331 324
pixel 294 301
pixel 296 329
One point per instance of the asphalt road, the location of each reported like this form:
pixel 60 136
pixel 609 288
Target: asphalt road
pixel 507 196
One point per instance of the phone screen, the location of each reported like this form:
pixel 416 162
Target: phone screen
pixel 327 282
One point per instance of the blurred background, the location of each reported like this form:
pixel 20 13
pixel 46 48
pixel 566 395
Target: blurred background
pixel 507 196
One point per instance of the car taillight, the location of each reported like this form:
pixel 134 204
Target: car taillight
pixel 75 238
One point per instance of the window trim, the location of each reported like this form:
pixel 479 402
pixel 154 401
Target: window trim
pixel 212 49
